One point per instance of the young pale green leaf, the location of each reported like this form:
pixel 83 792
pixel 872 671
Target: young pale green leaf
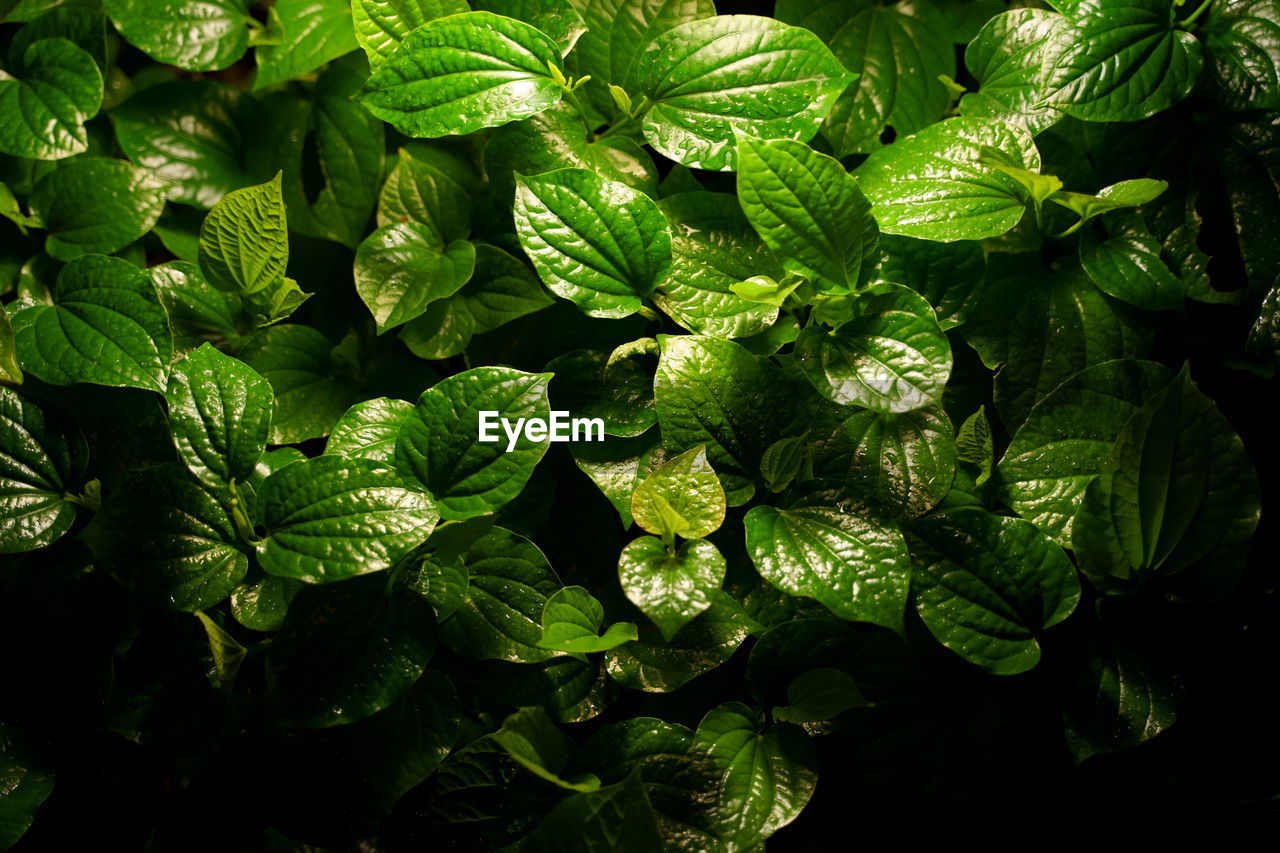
pixel 1124 61
pixel 600 244
pixel 501 289
pixel 714 249
pixel 220 415
pixel 769 774
pixel 326 35
pixel 904 461
pixel 440 444
pixel 891 357
pixel 571 623
pixel 715 393
pixel 1067 438
pixel 809 211
pixel 501 618
pixel 330 518
pixel 819 695
pixel 188 133
pixel 671 587
pixel 96 205
pixel 783 461
pixel 441 79
pixel 105 326
pixel 1130 193
pixel 657 666
pixel 401 269
pixel 41 460
pixel 1178 489
pixel 1128 266
pixel 617 819
pixel 948 275
pixel 369 430
pixel 986 586
pixel 682 498
pixel 205 36
pixel 260 604
pixel 617 465
pixel 311 387
pixel 1242 40
pixel 832 550
pixel 43 111
pixel 172 538
pixel 417 190
pixel 898 52
pixel 348 650
pixel 935 185
pixel 226 652
pixel 381 25
pixel 244 241
pixel 707 78
pixel 615 387
pixel 536 744
pixel 1013 59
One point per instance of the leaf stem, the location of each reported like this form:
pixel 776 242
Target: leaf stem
pixel 1191 19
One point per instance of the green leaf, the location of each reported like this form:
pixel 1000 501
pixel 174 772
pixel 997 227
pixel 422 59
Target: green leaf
pixel 220 414
pixel 671 587
pixel 244 241
pixel 656 666
pixel 600 244
pixel 948 275
pixel 809 211
pixel 715 393
pixel 974 444
pixel 682 498
pixel 10 372
pixel 557 18
pixel 1067 438
pixel 1014 58
pixel 818 695
pixel 898 52
pixel 1242 39
pixel 441 79
pixel 311 389
pixel 1178 489
pixel 891 357
pixel 105 327
pixel 935 185
pixel 501 289
pixel 986 586
pixel 401 269
pixel 27 782
pixel 188 133
pixel 617 819
pixel 369 430
pixel 832 550
pixel 94 205
pixel 226 652
pixel 260 604
pixel 418 191
pixel 42 113
pixel 903 461
pixel 172 537
pixel 536 744
pixel 381 25
pixel 439 577
pixel 501 618
pixel 315 32
pixel 1115 197
pixel 707 78
pixel 399 747
pixel 440 446
pixel 330 518
pixel 571 622
pixel 349 650
pixel 1124 61
pixel 768 774
pixel 1128 266
pixel 713 249
pixel 41 460
pixel 615 387
pixel 205 36
pixel 617 465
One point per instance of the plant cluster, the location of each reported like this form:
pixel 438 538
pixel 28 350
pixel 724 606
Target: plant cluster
pixel 873 300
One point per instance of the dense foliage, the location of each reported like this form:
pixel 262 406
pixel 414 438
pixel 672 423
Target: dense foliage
pixel 923 335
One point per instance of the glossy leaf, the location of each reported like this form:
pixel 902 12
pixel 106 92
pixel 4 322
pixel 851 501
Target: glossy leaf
pixel 671 587
pixel 656 666
pixel 94 205
pixel 1242 40
pixel 369 430
pixel 571 621
pixel 401 269
pixel 1128 266
pixel 244 241
pixel 204 36
pixel 310 388
pixel 1014 58
pixel 682 498
pixel 41 461
pixel 43 111
pixel 381 25
pixel 317 32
